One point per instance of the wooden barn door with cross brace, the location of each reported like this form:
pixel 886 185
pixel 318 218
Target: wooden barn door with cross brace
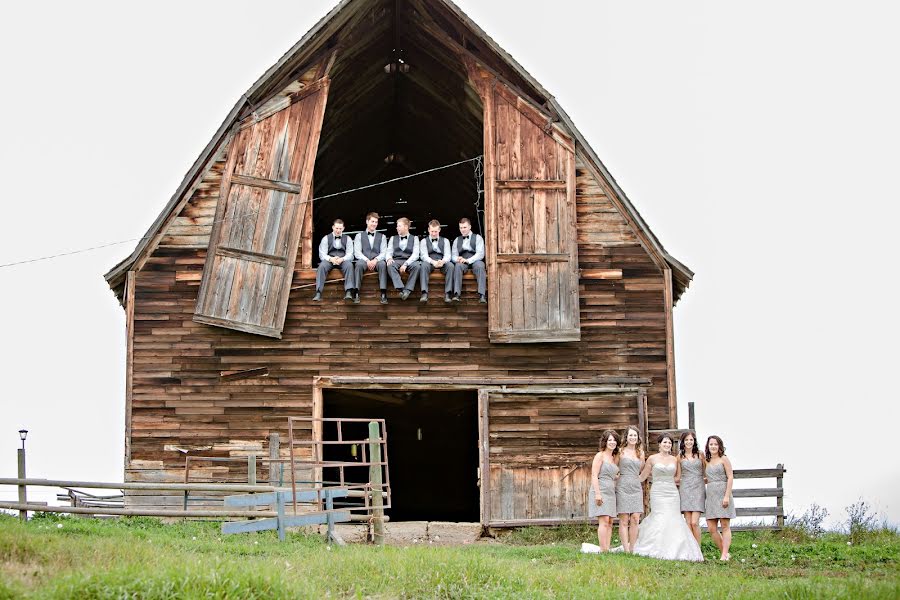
pixel 265 195
pixel 530 209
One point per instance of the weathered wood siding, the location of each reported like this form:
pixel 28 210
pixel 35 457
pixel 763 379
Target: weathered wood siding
pixel 541 446
pixel 180 399
pixel 532 250
pixel 266 194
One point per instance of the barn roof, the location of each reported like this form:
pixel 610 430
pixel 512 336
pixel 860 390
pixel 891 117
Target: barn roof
pixel 319 39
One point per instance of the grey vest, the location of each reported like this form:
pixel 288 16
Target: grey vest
pixel 343 250
pixel 431 253
pixel 367 250
pixel 472 242
pixel 397 253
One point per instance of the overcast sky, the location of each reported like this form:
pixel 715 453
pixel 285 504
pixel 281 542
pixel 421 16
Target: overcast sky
pixel 758 140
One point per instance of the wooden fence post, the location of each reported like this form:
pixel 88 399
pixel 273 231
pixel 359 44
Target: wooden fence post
pixel 375 483
pixel 251 469
pixel 779 501
pixel 279 503
pixel 23 495
pixel 274 452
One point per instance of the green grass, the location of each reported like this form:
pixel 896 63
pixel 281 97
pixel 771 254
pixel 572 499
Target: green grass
pixel 142 558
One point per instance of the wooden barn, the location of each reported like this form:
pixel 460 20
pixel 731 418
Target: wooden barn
pixel 490 408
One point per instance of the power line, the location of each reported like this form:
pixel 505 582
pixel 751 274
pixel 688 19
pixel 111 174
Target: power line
pixel 248 215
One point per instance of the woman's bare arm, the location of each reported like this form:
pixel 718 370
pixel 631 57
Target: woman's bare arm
pixel 645 472
pixel 729 473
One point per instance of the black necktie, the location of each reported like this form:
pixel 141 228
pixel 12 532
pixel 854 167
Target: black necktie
pixel 466 237
pixel 403 237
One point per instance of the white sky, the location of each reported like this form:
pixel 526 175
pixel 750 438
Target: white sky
pixel 758 140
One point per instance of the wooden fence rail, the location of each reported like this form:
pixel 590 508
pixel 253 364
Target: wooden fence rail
pixel 217 513
pixel 776 492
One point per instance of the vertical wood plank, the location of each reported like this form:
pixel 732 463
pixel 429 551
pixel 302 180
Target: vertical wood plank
pixel 129 360
pixel 670 348
pixel 490 178
pixel 318 411
pixel 570 228
pixel 484 455
pixel 515 134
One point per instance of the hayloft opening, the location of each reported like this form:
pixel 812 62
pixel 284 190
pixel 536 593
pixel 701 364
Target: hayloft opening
pixel 399 103
pixel 432 449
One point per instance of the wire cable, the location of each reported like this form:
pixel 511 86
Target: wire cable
pixel 250 214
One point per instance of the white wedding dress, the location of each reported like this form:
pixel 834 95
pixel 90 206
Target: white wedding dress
pixel 665 534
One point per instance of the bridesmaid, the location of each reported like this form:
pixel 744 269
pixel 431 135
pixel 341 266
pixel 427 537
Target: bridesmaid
pixel 719 502
pixel 629 492
pixel 691 489
pixel 602 500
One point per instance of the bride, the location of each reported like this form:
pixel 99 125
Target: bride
pixel 665 534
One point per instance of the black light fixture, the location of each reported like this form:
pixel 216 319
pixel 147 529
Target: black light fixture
pixel 23 433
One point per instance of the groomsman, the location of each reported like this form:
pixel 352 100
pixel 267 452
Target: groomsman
pixel 468 253
pixel 370 249
pixel 434 250
pixel 403 257
pixel 335 250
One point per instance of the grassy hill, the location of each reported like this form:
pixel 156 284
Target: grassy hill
pixel 51 557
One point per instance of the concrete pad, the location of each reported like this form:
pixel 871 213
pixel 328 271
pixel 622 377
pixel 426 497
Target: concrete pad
pixel 406 533
pixel 350 533
pixel 453 534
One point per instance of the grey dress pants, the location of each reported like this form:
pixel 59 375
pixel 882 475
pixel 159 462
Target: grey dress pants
pixel 380 267
pixel 346 268
pixel 480 276
pixel 426 270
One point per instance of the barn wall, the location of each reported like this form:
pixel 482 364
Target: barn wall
pixel 541 447
pixel 180 400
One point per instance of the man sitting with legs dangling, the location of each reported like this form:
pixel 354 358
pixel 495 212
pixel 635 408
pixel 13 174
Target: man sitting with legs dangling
pixel 468 253
pixel 335 250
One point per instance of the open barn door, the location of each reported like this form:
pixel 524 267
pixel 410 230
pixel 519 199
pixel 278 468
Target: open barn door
pixel 265 195
pixel 532 242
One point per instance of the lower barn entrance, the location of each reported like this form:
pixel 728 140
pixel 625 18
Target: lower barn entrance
pixel 432 448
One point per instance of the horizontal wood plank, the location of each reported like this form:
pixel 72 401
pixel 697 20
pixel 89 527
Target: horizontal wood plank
pixel 530 184
pixel 532 258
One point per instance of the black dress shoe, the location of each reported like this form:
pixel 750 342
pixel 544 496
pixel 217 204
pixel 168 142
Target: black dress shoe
pixel 482 299
pixel 424 298
pixel 348 295
pixel 383 298
pixel 317 297
pixel 356 298
pixel 447 299
pixel 405 294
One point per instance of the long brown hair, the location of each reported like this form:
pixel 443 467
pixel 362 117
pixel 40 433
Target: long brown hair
pixel 604 438
pixel 695 451
pixel 721 446
pixel 639 447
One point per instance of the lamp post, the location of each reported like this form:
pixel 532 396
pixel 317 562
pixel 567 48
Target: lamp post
pixel 23 497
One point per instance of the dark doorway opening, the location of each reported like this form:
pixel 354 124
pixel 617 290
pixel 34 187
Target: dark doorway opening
pixel 432 441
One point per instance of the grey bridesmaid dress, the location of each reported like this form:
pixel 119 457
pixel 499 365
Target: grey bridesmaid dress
pixel 629 493
pixel 607 477
pixel 692 489
pixel 715 492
